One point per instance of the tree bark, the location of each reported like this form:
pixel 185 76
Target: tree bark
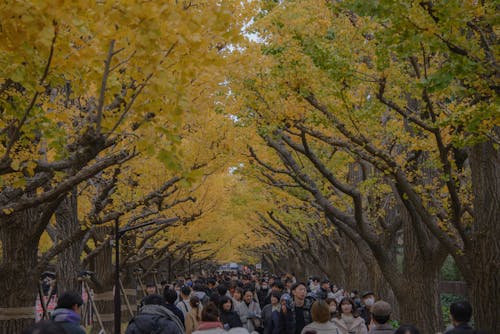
pixel 19 237
pixel 102 265
pixel 419 301
pixel 483 276
pixel 68 262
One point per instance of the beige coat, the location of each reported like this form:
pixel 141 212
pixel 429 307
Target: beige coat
pixel 190 321
pixel 357 327
pixel 321 328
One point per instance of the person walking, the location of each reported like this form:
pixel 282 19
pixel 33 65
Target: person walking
pixel 301 307
pixel 320 312
pixel 270 314
pixel 461 313
pixel 193 317
pixel 170 297
pixel 154 317
pixel 183 304
pixel 210 323
pixel 347 321
pixel 381 313
pixel 67 313
pixel 228 317
pixel 249 312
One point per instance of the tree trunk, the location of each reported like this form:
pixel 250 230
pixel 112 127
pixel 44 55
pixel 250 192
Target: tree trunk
pixel 102 265
pixel 418 297
pixel 68 261
pixel 484 250
pixel 419 304
pixel 359 273
pixel 335 267
pixel 19 237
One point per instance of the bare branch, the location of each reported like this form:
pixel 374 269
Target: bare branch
pixel 66 184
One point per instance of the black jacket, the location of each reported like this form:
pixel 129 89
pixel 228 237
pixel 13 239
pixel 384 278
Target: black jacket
pixel 286 322
pixel 176 311
pixel 306 311
pixel 154 319
pixel 365 313
pixel 463 328
pixel 262 295
pixel 231 318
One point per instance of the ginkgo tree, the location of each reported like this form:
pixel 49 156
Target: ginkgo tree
pixel 410 91
pixel 85 87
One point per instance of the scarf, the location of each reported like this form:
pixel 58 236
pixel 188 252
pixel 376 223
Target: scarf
pixel 209 325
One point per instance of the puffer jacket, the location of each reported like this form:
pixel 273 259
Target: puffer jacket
pixel 154 319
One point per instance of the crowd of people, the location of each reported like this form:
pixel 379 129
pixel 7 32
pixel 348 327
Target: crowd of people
pixel 242 304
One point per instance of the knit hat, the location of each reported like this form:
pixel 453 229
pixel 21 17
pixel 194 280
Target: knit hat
pixel 381 309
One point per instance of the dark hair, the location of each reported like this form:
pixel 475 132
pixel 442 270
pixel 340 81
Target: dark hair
pixel 170 296
pixel 194 301
pixel 461 311
pixel 249 286
pixel 277 283
pixel 186 290
pixel 343 301
pixel 153 299
pixel 44 327
pixel 223 300
pixel 320 311
pixel 69 299
pixel 276 294
pixel 381 319
pixel 222 289
pixel 248 289
pixel 198 287
pixel 239 290
pixel 296 285
pixel 407 328
pixel 210 313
